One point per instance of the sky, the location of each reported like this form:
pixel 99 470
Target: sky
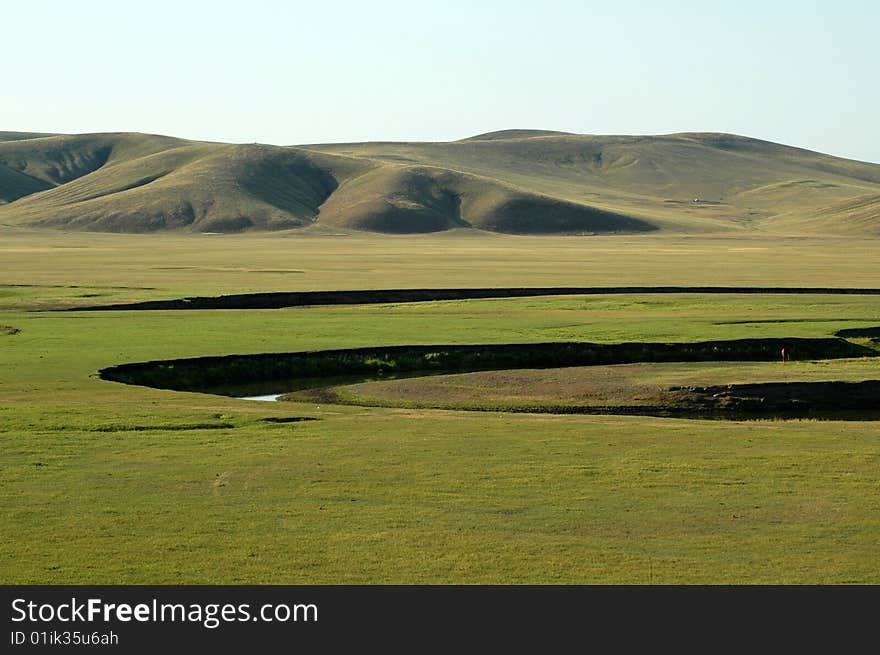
pixel 803 73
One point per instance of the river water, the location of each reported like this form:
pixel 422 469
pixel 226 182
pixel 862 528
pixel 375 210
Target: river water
pixel 270 398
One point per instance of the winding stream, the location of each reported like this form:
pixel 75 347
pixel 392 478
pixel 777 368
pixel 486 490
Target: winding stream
pixel 266 377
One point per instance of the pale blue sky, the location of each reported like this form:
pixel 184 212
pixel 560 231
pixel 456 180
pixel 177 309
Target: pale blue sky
pixel 803 73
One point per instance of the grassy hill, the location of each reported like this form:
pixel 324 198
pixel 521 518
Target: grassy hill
pixel 513 181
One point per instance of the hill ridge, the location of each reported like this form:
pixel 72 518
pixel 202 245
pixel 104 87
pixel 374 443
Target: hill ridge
pixel 516 181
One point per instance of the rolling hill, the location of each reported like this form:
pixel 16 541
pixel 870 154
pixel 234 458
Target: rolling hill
pixel 513 181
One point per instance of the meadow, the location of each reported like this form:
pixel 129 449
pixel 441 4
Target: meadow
pixel 108 483
pixel 653 385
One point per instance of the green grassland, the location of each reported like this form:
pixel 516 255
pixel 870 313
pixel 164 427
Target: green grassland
pixel 103 482
pixel 515 181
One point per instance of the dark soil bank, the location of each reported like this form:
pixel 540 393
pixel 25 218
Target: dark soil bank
pixel 301 298
pixel 212 373
pixel 872 333
pixel 846 400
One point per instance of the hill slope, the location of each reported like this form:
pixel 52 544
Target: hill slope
pixel 515 181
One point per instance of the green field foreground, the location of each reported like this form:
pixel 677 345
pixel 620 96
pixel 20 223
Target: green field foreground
pixel 107 483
